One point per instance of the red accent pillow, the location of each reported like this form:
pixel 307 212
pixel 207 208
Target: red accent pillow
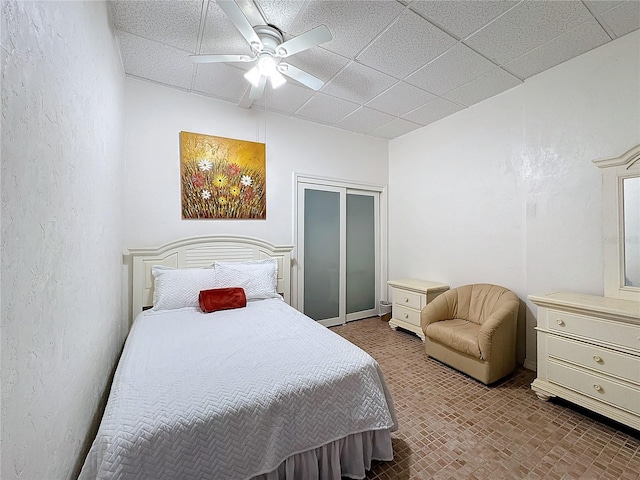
pixel 221 299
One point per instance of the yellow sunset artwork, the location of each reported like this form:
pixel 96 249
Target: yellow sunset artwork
pixel 222 178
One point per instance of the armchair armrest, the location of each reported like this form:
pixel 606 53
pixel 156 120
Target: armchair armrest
pixel 439 309
pixel 500 327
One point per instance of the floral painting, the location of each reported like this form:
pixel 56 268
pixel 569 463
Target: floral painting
pixel 222 177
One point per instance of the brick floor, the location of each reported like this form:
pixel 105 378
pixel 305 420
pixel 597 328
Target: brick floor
pixel 453 427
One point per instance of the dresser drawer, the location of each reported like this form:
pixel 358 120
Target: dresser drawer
pixel 406 315
pixel 595 386
pixel 615 333
pixel 596 358
pixel 405 298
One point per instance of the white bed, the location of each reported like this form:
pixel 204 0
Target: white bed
pixel 256 392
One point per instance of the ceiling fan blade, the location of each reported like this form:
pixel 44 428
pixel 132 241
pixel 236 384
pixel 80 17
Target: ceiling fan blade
pixel 257 90
pixel 233 11
pixel 309 39
pixel 220 58
pixel 300 76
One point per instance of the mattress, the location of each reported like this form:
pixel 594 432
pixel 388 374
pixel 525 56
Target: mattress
pixel 233 394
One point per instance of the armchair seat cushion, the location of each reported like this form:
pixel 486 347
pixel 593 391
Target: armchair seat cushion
pixel 457 333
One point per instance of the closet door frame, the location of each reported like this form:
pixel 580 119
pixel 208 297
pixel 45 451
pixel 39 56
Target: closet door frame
pixel 382 240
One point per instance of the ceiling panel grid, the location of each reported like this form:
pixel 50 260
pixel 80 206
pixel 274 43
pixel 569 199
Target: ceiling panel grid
pixel 391 66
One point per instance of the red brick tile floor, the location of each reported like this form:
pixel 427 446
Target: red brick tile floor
pixel 453 427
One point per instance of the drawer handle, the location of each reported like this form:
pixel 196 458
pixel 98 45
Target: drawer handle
pixel 406 315
pixel 598 388
pixel 597 359
pixel 560 322
pixel 406 299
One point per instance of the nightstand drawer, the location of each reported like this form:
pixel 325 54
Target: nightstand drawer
pixel 596 358
pixel 406 315
pixel 615 333
pixel 595 386
pixel 405 298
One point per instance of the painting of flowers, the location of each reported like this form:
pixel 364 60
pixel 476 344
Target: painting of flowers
pixel 222 177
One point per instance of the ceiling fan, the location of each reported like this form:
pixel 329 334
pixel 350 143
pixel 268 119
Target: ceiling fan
pixel 268 48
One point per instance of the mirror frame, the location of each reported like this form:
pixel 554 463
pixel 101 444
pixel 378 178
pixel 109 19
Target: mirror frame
pixel 614 171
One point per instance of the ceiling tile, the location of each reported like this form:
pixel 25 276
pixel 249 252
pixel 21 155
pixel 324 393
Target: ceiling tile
pixel 364 120
pixel 581 39
pixel 454 68
pixel 400 99
pixel 325 109
pixel 281 13
pixel 286 99
pixel 432 111
pixel 318 62
pixel 624 18
pixel 395 128
pixel 600 6
pixel 358 83
pixel 220 35
pixel 155 61
pixel 353 24
pixel 527 26
pixel 220 81
pixel 172 23
pixel 492 83
pixel 462 18
pixel 407 45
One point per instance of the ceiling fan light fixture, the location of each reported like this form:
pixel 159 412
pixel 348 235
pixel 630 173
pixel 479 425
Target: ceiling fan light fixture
pixel 267 65
pixel 277 79
pixel 253 76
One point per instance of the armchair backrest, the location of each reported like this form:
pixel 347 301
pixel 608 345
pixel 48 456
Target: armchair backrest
pixel 476 302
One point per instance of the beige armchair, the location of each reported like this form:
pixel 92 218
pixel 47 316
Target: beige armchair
pixel 473 329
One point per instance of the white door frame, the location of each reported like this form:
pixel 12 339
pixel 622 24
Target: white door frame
pixel 300 178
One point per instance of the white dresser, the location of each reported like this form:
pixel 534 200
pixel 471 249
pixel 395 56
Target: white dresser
pixel 409 297
pixel 589 353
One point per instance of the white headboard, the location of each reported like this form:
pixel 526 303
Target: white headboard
pixel 193 252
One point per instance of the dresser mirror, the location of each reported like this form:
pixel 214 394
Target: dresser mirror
pixel 621 224
pixel 631 230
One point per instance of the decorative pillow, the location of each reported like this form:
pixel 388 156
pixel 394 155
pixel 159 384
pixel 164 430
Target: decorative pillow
pixel 221 299
pixel 259 278
pixel 179 288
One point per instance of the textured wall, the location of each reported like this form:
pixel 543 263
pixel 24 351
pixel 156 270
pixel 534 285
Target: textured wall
pixel 508 188
pixel 155 116
pixel 62 172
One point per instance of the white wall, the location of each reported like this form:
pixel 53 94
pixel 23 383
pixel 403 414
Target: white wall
pixel 155 115
pixel 62 170
pixel 505 192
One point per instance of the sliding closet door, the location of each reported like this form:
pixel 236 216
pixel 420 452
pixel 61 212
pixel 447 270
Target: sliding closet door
pixel 361 254
pixel 322 253
pixel 338 253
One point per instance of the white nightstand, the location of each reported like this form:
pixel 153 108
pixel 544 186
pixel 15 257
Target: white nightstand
pixel 409 297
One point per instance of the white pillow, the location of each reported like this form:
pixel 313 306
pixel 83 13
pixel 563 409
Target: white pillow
pixel 258 278
pixel 179 288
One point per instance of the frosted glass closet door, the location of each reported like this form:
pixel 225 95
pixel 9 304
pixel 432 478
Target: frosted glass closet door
pixel 361 255
pixel 321 250
pixel 338 253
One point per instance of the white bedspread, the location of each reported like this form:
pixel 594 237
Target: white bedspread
pixel 230 395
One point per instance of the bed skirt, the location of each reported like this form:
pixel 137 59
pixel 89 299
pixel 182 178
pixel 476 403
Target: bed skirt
pixel 346 457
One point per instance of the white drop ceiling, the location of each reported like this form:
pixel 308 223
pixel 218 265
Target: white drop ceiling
pixel 392 66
